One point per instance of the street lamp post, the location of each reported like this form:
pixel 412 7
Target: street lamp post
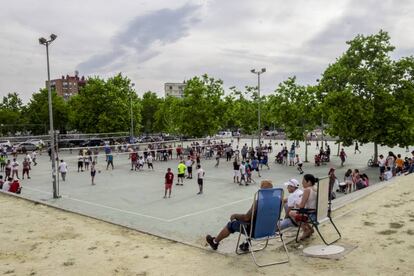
pixel 132 116
pixel 258 73
pixel 46 42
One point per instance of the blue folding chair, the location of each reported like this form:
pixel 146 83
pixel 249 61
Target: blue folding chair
pixel 264 225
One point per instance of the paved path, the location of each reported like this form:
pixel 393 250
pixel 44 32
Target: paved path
pixel 135 199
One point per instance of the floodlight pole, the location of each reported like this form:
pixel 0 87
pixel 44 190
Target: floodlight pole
pixel 46 42
pixel 258 72
pixel 132 117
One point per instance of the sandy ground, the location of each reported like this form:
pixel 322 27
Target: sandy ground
pixel 38 240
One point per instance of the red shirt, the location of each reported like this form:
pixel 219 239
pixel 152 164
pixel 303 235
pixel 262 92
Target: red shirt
pixel 134 156
pixel 169 177
pixel 14 187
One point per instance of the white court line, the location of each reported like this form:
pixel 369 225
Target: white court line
pixel 143 215
pixel 210 209
pixel 102 206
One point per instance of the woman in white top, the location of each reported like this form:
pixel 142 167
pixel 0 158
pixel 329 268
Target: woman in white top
pixel 308 202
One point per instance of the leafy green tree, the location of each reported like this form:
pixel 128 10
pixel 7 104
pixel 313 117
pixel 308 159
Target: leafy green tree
pixel 295 108
pixel 37 112
pixel 11 119
pixel 150 104
pixel 365 89
pixel 105 106
pixel 167 117
pixel 201 108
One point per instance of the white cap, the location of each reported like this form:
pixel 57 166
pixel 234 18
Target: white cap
pixel 292 182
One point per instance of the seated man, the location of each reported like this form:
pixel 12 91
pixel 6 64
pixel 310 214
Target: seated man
pixel 294 198
pixel 235 221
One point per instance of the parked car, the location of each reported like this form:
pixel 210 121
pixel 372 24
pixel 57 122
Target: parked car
pixel 26 145
pixel 93 143
pixel 38 142
pixel 5 143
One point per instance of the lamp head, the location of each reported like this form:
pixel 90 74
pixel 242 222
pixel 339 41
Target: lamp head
pixel 42 40
pixel 263 70
pixel 253 71
pixel 53 37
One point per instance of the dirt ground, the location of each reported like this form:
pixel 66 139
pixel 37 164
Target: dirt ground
pixel 39 240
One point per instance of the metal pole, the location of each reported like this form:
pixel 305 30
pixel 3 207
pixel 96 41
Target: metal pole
pixel 52 134
pixel 258 111
pixel 132 120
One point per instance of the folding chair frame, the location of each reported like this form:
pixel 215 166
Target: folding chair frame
pixel 315 223
pixel 249 239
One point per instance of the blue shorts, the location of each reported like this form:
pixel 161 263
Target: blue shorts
pixel 234 226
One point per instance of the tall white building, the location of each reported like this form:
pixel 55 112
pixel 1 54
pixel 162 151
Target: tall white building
pixel 174 89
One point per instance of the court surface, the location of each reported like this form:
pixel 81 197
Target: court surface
pixel 135 198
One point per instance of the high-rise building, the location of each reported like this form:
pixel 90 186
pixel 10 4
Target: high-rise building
pixel 174 89
pixel 67 86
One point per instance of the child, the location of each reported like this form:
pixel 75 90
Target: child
pixel 388 174
pixel 243 174
pixel 200 178
pixel 299 163
pixel 93 172
pixel 169 178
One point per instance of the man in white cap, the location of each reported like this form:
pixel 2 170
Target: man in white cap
pixel 295 196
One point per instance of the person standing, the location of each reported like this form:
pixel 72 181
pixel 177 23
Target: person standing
pixel 26 168
pixel 110 161
pixel 63 169
pixel 34 156
pixel 8 169
pixel 200 178
pixel 134 159
pixel 181 172
pixel 80 161
pixel 357 148
pixel 149 162
pixel 93 172
pixel 255 165
pixel 189 164
pixel 169 178
pixel 243 173
pixel 217 159
pixel 15 168
pixel 342 156
pixel 236 171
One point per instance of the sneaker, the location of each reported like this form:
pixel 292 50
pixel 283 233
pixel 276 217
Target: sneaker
pixel 210 241
pixel 244 247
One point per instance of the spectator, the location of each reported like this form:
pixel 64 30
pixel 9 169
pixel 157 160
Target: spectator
pixel 63 169
pixel 235 221
pixel 15 187
pixel 381 164
pixel 294 198
pixel 388 174
pixel 308 202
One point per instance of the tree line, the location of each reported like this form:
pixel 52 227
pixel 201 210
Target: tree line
pixel 365 95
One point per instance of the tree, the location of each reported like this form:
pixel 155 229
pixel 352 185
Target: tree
pixel 364 90
pixel 37 112
pixel 201 108
pixel 150 104
pixel 104 106
pixel 295 108
pixel 167 116
pixel 11 119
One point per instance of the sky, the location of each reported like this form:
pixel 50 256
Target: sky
pixel 154 41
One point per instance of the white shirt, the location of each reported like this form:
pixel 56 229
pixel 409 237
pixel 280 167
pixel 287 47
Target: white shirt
pixel 63 167
pixel 242 169
pixel 381 162
pixel 388 175
pixel 15 165
pixel 6 186
pixel 34 154
pixel 200 173
pixel 298 161
pixel 149 159
pixel 294 198
pixel 189 163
